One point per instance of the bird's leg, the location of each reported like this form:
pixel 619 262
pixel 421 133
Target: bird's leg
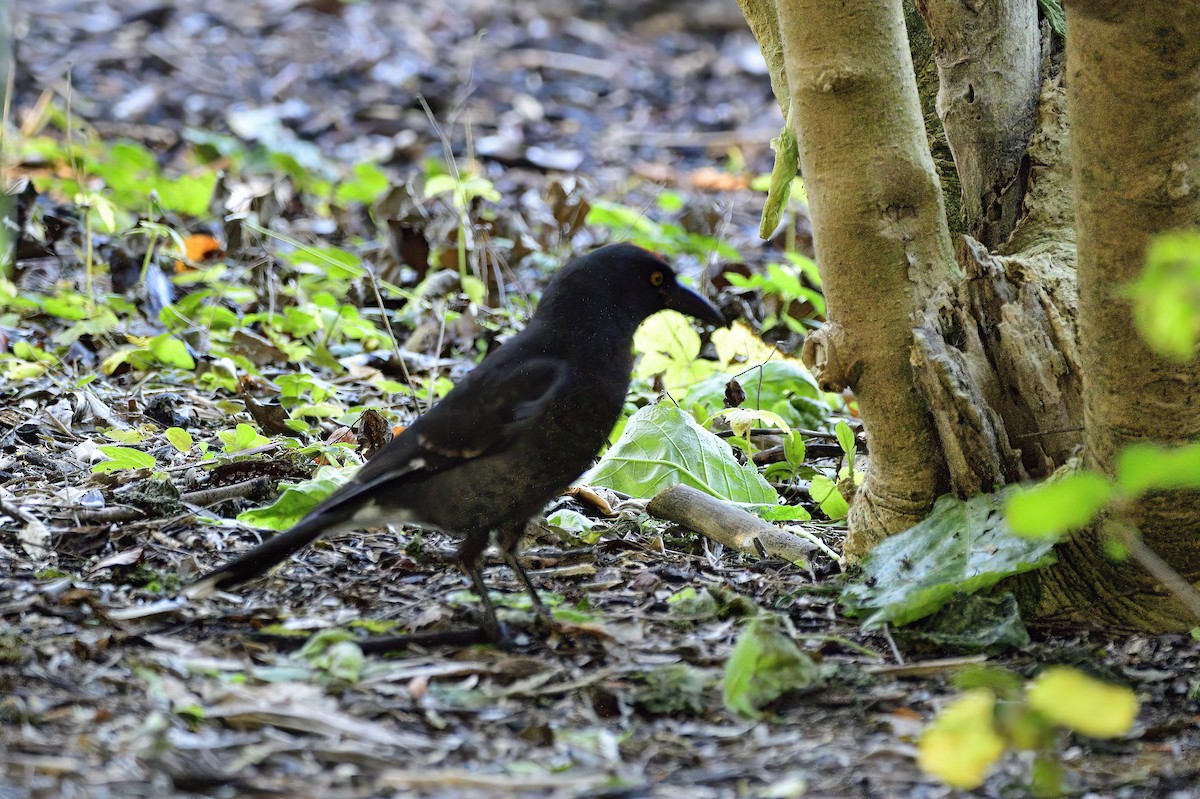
pixel 491 624
pixel 470 553
pixel 508 539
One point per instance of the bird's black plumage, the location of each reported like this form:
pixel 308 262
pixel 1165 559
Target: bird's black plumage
pixel 514 432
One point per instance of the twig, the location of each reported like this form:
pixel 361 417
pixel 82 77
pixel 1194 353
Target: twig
pixel 925 668
pixel 887 636
pixel 211 496
pixel 391 643
pixel 727 524
pixel 115 513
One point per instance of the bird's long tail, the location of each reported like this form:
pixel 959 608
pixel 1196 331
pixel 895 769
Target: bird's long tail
pixel 267 554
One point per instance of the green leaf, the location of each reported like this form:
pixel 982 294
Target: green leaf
pixel 1166 296
pixel 187 194
pixel 368 184
pixel 688 605
pixel 574 527
pixel 764 665
pixel 68 305
pixel 571 521
pixel 741 420
pixel 960 547
pixel 781 513
pixel 669 346
pixel 662 446
pixel 474 288
pixel 783 173
pixel 296 500
pixel 439 184
pixel 332 261
pixel 122 458
pixel 633 225
pixel 336 653
pixel 1148 467
pixel 477 186
pixel 179 438
pixel 670 201
pixel 825 493
pixel 129 436
pixel 241 438
pixel 845 438
pixel 1052 10
pixel 170 351
pixel 793 449
pixel 104 209
pixel 1057 506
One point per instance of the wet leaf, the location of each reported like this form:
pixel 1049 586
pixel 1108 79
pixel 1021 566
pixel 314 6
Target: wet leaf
pixel 960 547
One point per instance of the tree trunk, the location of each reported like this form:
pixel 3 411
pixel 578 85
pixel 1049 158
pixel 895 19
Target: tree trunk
pixel 881 239
pixel 1133 77
pixel 970 378
pixel 989 62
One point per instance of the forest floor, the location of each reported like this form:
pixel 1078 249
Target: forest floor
pixel 110 686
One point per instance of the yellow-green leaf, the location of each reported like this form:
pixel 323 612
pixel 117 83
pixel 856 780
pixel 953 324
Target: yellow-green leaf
pixel 961 744
pixel 1147 466
pixel 741 420
pixel 180 439
pixel 171 351
pixel 1057 506
pixel 765 664
pixel 1087 705
pixel 121 458
pixel 669 346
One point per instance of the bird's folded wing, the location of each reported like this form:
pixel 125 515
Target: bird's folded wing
pixel 484 413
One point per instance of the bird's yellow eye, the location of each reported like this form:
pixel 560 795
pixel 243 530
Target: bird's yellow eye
pixel 657 278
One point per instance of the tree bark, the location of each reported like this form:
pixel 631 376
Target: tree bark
pixel 1133 79
pixel 989 62
pixel 880 236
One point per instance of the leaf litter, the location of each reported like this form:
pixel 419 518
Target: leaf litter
pixel 110 686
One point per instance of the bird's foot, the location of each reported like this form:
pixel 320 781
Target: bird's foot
pixel 496 631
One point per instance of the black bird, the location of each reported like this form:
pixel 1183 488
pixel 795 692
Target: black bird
pixel 513 433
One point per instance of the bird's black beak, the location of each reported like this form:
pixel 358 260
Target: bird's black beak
pixel 688 301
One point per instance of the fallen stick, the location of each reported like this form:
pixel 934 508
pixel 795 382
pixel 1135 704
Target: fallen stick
pixel 727 524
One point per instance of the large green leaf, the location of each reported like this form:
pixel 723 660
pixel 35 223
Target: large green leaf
pixel 960 547
pixel 662 446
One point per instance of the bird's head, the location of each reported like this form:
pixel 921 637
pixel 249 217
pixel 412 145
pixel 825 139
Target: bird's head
pixel 622 284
